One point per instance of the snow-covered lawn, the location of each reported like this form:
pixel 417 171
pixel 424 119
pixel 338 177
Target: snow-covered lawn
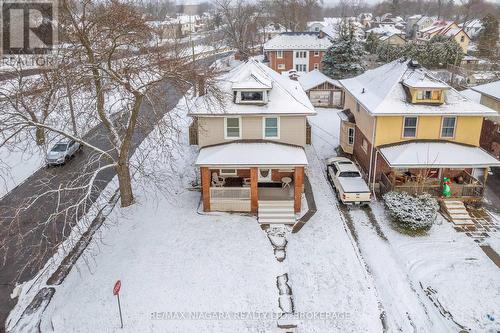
pixel 16 165
pixel 452 269
pixel 170 259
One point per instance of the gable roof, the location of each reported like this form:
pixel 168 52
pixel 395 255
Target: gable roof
pixel 491 89
pixel 315 78
pixel 285 96
pixel 297 41
pixel 381 92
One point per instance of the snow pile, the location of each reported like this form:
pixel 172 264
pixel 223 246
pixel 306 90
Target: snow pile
pixel 412 212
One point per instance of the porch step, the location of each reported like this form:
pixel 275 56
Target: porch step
pixel 457 212
pixel 276 211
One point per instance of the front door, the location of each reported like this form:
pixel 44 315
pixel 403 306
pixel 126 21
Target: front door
pixel 264 175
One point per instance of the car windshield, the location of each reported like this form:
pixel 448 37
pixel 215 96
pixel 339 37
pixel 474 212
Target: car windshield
pixel 351 174
pixel 59 147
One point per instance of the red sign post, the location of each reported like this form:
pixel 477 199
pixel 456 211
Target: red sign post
pixel 116 292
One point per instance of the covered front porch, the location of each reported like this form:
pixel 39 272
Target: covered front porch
pixel 238 177
pixel 425 166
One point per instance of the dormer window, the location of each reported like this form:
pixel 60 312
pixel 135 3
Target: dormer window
pixel 252 96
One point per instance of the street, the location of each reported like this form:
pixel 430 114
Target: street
pixel 18 254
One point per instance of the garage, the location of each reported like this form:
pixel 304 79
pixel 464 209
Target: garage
pixel 320 97
pixel 322 90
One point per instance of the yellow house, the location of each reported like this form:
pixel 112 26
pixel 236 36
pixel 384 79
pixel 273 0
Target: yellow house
pixel 446 28
pixel 412 130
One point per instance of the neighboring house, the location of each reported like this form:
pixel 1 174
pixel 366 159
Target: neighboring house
pixel 393 39
pixel 416 23
pixel 445 28
pixel 490 135
pixel 252 156
pixel 321 90
pixel 315 26
pixel 366 20
pixel 384 30
pixel 269 31
pixel 301 51
pixel 413 130
pixel 473 27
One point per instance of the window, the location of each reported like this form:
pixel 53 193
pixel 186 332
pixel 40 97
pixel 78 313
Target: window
pixel 427 94
pixel 232 126
pixel 251 96
pixel 448 127
pixel 462 39
pixel 228 172
pixel 271 127
pixel 281 66
pixel 350 174
pixel 300 68
pixel 316 53
pixel 364 145
pixel 410 127
pixel 279 54
pixel 357 107
pixel 350 136
pixel 300 54
pixel 316 66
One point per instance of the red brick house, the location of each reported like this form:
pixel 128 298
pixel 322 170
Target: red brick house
pixel 300 51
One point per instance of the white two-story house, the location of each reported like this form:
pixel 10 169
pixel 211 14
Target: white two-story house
pixel 252 156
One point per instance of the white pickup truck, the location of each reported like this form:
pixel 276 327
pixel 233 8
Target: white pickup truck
pixel 345 177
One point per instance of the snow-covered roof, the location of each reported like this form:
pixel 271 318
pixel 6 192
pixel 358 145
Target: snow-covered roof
pixel 297 41
pixel 331 31
pixel 381 93
pixel 420 79
pixel 472 95
pixel 385 29
pixel 491 89
pixel 315 78
pixel 241 153
pixel 285 96
pixel 386 37
pixel 420 154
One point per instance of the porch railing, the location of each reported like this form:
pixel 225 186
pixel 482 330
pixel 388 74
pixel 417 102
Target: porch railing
pixel 233 193
pixel 236 199
pixel 471 188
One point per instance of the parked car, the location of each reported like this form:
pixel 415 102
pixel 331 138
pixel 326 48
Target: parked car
pixel 347 181
pixel 61 152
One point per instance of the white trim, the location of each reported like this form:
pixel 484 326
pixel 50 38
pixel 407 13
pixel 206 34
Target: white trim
pixel 264 128
pixel 281 66
pixel 454 128
pixel 316 54
pixel 235 173
pixel 316 66
pixel 239 126
pixel 403 130
pixel 279 54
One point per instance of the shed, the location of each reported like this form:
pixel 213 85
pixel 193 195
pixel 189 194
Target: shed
pixel 322 90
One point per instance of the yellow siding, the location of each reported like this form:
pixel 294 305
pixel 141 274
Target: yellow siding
pixel 390 129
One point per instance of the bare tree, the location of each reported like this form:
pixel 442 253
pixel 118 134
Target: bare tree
pixel 110 78
pixel 239 24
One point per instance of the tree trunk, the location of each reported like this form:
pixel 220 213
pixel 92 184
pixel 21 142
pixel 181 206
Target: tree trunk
pixel 40 136
pixel 125 184
pixel 71 107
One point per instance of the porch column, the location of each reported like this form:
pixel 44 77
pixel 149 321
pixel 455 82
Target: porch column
pixel 205 188
pixel 298 181
pixel 254 195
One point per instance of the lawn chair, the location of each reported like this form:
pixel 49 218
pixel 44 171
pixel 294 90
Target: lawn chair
pixel 217 181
